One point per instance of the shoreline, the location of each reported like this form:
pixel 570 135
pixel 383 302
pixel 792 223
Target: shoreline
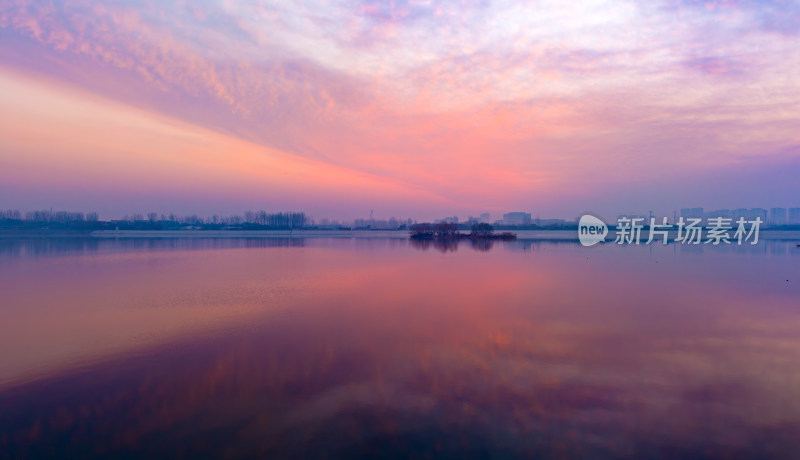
pixel 558 234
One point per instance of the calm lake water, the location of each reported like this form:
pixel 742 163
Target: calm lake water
pixel 380 348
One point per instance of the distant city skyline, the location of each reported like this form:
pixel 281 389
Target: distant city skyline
pixel 770 216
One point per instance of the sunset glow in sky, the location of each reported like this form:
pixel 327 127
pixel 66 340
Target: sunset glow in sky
pixel 416 109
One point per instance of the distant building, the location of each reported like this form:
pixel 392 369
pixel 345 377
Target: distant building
pixel 777 216
pixel 482 219
pixel 734 215
pixel 727 213
pixel 547 222
pixel 739 213
pixel 746 214
pixel 757 213
pixel 794 216
pixel 693 213
pixel 517 218
pixel 449 220
pixel 642 220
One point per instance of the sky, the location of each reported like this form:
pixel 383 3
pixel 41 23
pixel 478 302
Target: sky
pixel 417 109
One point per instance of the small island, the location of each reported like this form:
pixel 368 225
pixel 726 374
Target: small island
pixel 449 231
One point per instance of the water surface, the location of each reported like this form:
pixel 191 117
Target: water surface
pixel 348 348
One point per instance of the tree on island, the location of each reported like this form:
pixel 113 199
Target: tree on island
pixel 445 229
pixel 482 229
pixel 422 231
pixel 438 230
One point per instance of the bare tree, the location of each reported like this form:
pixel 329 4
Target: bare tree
pixel 482 229
pixel 422 231
pixel 445 229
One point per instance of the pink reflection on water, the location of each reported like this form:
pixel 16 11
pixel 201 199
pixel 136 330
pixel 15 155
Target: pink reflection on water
pixel 556 350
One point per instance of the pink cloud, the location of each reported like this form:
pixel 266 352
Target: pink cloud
pixel 476 106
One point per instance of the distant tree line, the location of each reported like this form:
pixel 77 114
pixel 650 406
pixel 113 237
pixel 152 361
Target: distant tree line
pixel 48 216
pixel 281 219
pixel 252 220
pixel 390 224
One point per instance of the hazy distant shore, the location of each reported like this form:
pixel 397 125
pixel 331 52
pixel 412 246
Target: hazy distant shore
pixel 44 233
pixel 249 233
pixel 316 233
